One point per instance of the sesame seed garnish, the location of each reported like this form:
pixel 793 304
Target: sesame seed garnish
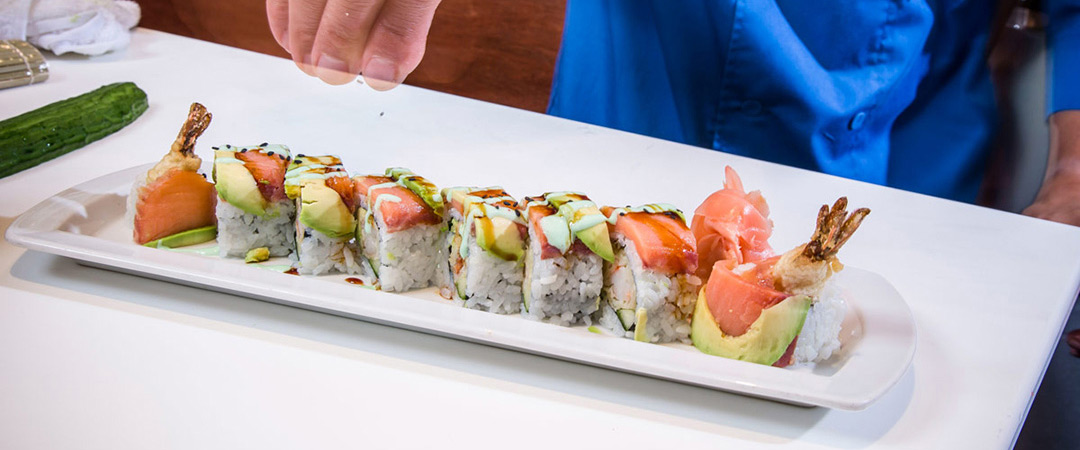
pixel 264 144
pixel 298 161
pixel 215 148
pixel 243 150
pixel 270 153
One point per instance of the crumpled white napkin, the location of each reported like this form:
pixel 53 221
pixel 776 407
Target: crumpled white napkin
pixel 89 27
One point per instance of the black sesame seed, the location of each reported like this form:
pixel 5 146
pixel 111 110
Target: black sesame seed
pixel 283 158
pixel 381 113
pixel 270 153
pixel 264 144
pixel 215 148
pixel 300 155
pixel 243 150
pixel 298 161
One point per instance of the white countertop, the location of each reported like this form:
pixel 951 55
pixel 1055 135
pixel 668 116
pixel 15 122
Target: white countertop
pixel 96 359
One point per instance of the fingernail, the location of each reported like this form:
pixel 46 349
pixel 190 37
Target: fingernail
pixel 305 65
pixel 333 70
pixel 381 74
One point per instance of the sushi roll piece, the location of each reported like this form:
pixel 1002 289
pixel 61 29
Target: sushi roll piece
pixel 401 230
pixel 325 220
pixel 568 244
pixel 172 204
pixel 486 248
pixel 252 209
pixel 781 310
pixel 650 286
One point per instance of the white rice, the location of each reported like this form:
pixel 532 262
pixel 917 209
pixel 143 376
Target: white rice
pixel 320 254
pixel 668 300
pixel 820 336
pixel 491 283
pixel 239 231
pixel 133 199
pixel 408 259
pixel 563 290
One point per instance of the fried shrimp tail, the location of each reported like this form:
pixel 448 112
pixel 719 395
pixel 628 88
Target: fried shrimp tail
pixel 804 269
pixel 182 153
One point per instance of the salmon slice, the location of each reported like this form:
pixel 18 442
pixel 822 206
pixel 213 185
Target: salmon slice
pixel 364 182
pixel 537 212
pixel 268 171
pixel 177 201
pixel 344 187
pixel 731 225
pixel 485 194
pixel 736 300
pixel 397 215
pixel 663 243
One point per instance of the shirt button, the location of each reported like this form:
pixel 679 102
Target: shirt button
pixel 751 107
pixel 857 121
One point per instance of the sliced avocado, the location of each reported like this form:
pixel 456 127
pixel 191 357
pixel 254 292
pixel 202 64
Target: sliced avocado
pixel 639 329
pixel 322 209
pixel 766 340
pixel 236 185
pixel 626 316
pixel 257 255
pixel 597 239
pixel 500 237
pixel 419 186
pixel 186 238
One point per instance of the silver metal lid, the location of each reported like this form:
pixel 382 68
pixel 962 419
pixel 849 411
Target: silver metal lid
pixel 21 64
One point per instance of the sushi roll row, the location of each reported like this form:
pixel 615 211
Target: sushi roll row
pixel 556 257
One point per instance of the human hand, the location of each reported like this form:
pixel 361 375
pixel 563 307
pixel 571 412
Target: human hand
pixel 336 40
pixel 1059 197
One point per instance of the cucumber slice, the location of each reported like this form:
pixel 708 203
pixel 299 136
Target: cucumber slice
pixel 626 316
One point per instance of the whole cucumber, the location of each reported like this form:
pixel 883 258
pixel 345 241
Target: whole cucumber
pixel 58 128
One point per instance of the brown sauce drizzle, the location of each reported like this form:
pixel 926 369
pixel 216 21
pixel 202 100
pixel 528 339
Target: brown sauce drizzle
pixel 354 280
pixel 293 271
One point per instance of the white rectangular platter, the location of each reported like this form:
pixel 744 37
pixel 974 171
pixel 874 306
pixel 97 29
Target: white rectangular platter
pixel 87 223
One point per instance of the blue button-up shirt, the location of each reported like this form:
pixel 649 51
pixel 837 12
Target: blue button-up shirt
pixel 892 92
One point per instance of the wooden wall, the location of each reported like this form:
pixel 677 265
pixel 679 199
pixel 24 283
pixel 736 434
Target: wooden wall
pixel 500 51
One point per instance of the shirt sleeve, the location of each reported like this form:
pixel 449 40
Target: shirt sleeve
pixel 1063 42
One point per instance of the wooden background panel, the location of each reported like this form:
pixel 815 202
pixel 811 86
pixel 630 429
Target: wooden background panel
pixel 497 51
